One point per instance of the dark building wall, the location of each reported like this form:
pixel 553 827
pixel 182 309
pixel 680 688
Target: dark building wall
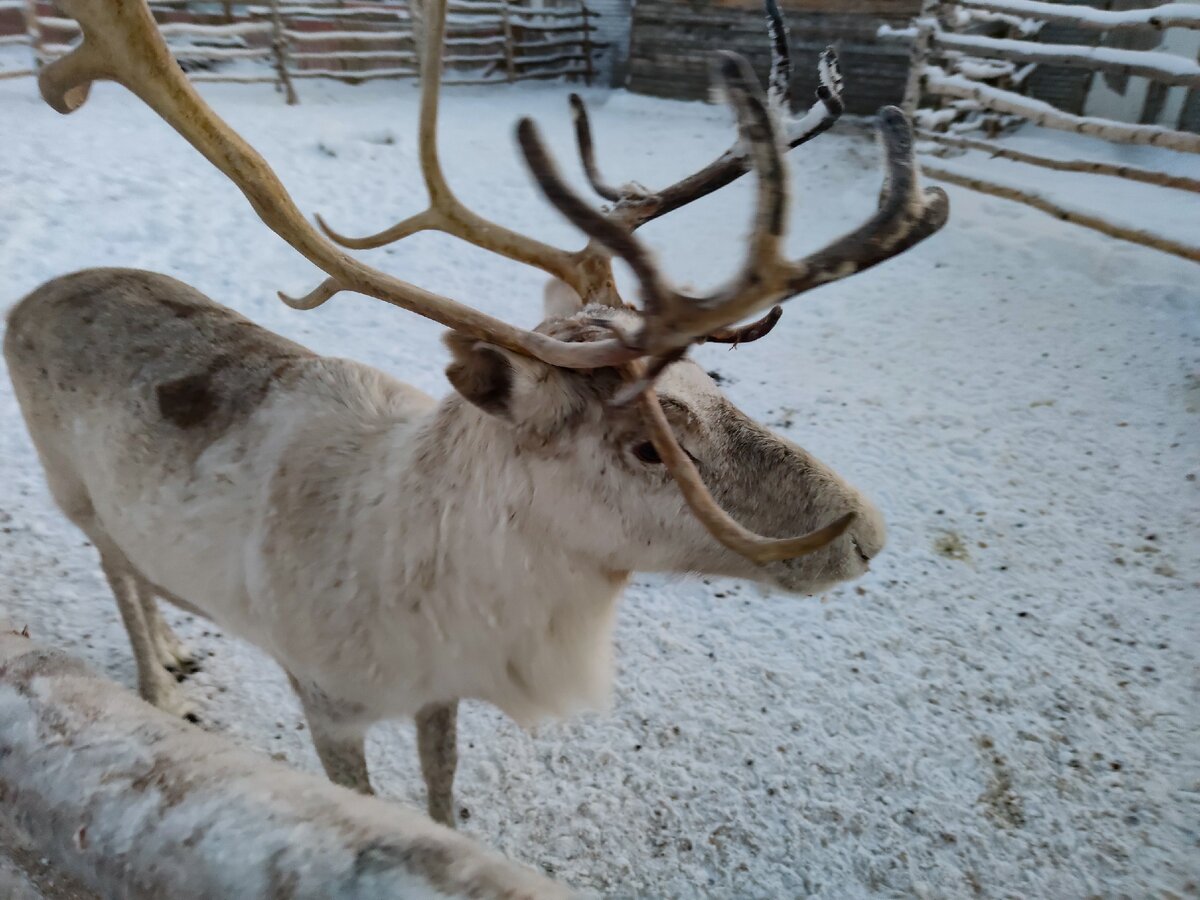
pixel 1061 86
pixel 673 41
pixel 1189 119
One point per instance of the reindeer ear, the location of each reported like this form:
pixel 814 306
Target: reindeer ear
pixel 559 300
pixel 481 372
pixel 527 392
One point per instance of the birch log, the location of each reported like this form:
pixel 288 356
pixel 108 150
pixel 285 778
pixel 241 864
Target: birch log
pixel 919 56
pixel 937 81
pixel 1169 15
pixel 1168 68
pixel 137 804
pixel 1133 173
pixel 1076 217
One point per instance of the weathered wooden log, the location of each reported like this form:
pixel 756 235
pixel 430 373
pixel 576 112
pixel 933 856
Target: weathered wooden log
pixel 1169 15
pixel 1167 68
pixel 1133 173
pixel 1076 217
pixel 137 804
pixel 939 83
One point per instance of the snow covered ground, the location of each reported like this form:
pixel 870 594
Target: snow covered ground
pixel 1005 707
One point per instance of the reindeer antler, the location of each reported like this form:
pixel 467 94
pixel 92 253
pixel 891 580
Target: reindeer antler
pixel 122 43
pixel 906 215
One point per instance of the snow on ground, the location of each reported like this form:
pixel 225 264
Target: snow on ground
pixel 1004 707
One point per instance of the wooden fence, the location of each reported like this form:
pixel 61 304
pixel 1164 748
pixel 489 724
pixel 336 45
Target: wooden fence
pixel 672 43
pixel 280 41
pixel 971 62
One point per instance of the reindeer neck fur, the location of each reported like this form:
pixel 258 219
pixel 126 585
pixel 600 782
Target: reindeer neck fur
pixel 446 534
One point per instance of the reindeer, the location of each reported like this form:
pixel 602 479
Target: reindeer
pixel 395 553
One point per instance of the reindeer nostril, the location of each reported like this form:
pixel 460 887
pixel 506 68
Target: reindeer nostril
pixel 859 550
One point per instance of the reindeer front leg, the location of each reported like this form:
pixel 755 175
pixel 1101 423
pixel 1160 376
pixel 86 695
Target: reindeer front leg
pixel 437 741
pixel 340 746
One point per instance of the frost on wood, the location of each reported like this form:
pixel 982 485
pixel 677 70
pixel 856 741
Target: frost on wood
pixel 1168 68
pixel 965 101
pixel 1038 200
pixel 992 148
pixel 1169 15
pixel 137 804
pixel 289 27
pixel 939 82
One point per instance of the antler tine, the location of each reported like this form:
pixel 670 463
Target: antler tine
pixel 732 165
pixel 907 214
pixel 587 150
pixel 446 213
pixel 747 333
pixel 605 230
pixel 759 140
pixel 422 221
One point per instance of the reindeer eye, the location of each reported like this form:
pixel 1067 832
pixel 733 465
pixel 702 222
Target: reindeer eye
pixel 646 453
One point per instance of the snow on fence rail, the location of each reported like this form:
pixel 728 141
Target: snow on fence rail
pixel 496 41
pixel 971 60
pixel 135 803
pixel 1170 15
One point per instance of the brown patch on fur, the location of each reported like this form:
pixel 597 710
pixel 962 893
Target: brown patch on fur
pixel 188 401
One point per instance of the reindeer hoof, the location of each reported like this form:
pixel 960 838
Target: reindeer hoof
pixel 183 668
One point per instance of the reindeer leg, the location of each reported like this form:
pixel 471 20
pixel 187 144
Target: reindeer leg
pixel 155 685
pixel 172 654
pixel 437 741
pixel 340 747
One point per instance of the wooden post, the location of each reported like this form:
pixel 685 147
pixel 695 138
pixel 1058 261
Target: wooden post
pixel 34 29
pixel 510 49
pixel 279 45
pixel 919 56
pixel 416 13
pixel 589 72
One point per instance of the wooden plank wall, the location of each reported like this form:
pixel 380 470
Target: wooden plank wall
pixel 673 40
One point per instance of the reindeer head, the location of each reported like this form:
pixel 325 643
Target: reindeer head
pixel 688 447
pixel 603 491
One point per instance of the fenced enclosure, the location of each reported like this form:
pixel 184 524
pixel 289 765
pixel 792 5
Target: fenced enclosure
pixel 488 41
pixel 672 42
pixel 972 63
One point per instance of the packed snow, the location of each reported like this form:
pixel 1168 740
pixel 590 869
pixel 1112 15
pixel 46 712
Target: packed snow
pixel 1004 707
